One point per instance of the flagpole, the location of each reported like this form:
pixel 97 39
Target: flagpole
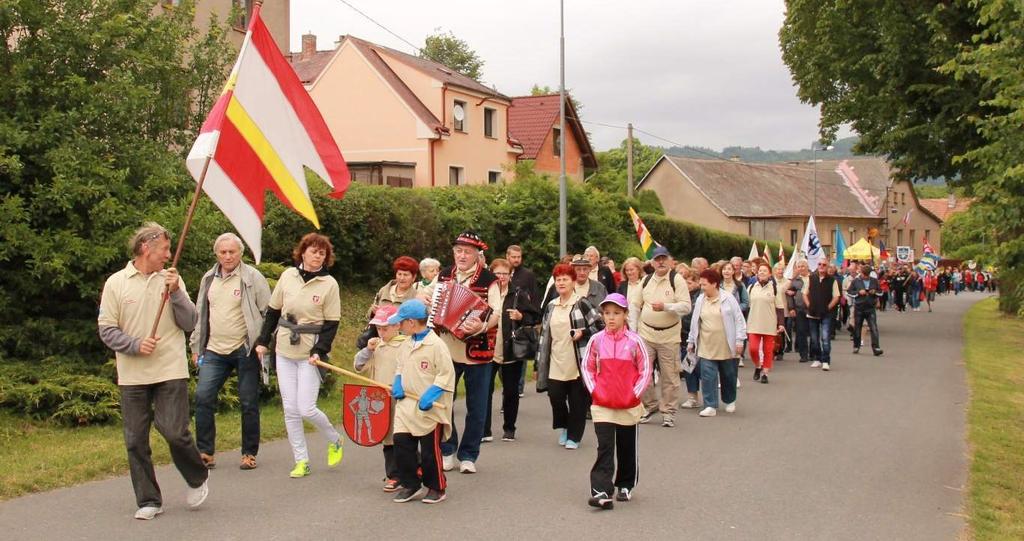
pixel 181 241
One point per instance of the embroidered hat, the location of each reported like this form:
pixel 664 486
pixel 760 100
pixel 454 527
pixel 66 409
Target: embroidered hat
pixel 470 238
pixel 411 309
pixel 380 317
pixel 616 299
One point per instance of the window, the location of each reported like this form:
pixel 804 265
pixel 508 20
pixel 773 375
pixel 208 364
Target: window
pixel 459 116
pixel 899 237
pixel 792 236
pixel 556 142
pixel 913 235
pixel 454 176
pixel 493 177
pixel 244 13
pixel 928 235
pixel 399 182
pixel 903 198
pixel 833 238
pixel 489 118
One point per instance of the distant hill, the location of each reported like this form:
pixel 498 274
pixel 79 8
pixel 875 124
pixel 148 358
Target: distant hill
pixel 843 149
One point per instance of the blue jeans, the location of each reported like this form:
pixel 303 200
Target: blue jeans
pixel 477 377
pixel 213 373
pixel 713 372
pixel 821 342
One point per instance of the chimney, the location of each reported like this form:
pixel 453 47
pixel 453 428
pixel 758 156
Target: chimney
pixel 308 46
pixel 952 201
pixel 337 42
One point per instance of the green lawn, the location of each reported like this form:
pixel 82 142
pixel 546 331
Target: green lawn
pixel 993 345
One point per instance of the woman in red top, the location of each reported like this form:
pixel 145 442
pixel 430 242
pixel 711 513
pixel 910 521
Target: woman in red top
pixel 931 283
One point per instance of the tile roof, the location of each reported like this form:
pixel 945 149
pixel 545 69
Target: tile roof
pixel 308 69
pixel 852 188
pixel 940 207
pixel 530 120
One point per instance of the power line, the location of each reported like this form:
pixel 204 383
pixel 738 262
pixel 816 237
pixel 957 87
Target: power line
pixel 386 29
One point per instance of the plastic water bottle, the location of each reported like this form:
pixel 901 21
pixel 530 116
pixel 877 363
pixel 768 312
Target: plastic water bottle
pixel 199 361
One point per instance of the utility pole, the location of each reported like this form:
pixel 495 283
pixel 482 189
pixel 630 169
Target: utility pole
pixel 562 210
pixel 629 159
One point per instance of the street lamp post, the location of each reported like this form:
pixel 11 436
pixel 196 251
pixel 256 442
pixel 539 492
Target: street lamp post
pixel 562 210
pixel 814 176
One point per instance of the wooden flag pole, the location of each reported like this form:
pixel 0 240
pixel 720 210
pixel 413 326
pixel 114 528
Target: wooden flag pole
pixel 181 241
pixel 369 381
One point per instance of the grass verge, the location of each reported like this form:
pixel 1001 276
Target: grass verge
pixel 995 371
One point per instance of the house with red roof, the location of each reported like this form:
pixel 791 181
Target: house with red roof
pixel 401 120
pixel 534 121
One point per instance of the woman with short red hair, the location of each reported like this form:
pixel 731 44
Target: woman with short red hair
pixel 401 288
pixel 569 322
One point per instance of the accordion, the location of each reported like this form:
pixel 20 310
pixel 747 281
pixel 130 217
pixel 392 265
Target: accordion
pixel 452 304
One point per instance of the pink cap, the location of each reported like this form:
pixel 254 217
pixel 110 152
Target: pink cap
pixel 380 317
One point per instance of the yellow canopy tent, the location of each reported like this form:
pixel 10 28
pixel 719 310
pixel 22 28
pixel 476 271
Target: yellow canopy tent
pixel 862 250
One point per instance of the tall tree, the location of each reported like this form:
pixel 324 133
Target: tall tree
pixel 453 52
pixel 99 99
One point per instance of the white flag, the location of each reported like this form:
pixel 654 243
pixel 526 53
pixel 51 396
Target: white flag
pixel 753 252
pixel 811 245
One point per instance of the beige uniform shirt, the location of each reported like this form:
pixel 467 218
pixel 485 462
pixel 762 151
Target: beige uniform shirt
pixel 129 302
pixel 713 344
pixel 663 327
pixel 227 323
pixel 383 361
pixel 499 349
pixel 582 290
pixel 635 301
pixel 311 302
pixel 563 355
pixel 763 301
pixel 626 417
pixel 422 364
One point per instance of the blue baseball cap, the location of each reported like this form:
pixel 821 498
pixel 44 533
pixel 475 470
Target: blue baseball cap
pixel 660 251
pixel 411 309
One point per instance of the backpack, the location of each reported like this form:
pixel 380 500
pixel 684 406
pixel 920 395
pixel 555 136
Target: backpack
pixel 671 280
pixel 775 287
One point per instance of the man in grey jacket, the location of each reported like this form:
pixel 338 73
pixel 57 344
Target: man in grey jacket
pixel 232 301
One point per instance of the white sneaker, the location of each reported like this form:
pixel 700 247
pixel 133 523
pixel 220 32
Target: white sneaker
pixel 816 364
pixel 148 513
pixel 741 361
pixel 448 462
pixel 196 496
pixel 708 412
pixel 730 408
pixel 486 439
pixel 738 383
pixel 690 404
pixel 467 466
pixel 825 367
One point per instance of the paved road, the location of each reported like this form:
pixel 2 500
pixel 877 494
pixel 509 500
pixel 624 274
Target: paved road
pixel 872 450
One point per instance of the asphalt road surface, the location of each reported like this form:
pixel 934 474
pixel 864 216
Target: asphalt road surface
pixel 873 449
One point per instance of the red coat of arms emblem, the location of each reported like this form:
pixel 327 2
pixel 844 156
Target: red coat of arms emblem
pixel 366 413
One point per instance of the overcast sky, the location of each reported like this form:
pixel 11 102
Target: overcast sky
pixel 696 72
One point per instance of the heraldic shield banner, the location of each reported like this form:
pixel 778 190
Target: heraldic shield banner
pixel 366 413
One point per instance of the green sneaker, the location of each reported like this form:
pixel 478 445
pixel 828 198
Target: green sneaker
pixel 334 453
pixel 301 469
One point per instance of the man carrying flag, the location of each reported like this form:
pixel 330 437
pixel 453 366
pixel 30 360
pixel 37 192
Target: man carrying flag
pixel 647 243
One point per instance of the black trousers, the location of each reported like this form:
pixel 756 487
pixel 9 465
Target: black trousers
pixel 390 465
pixel 510 373
pixel 615 443
pixel 859 317
pixel 569 404
pixel 429 459
pixel 164 404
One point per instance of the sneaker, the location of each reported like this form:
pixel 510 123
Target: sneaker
pixel 509 435
pixel 757 373
pixel 816 364
pixel 856 350
pixel 208 460
pixel 741 362
pixel 571 445
pixel 646 417
pixel 601 501
pixel 564 436
pixel 409 494
pixel 467 466
pixel 334 453
pixel 301 469
pixel 522 395
pixel 825 367
pixel 708 412
pixel 148 513
pixel 668 422
pixel 624 495
pixel 248 462
pixel 804 359
pixel 730 408
pixel 690 403
pixel 878 352
pixel 739 383
pixel 487 439
pixel 448 462
pixel 195 497
pixel 434 496
pixel 764 378
pixel 391 485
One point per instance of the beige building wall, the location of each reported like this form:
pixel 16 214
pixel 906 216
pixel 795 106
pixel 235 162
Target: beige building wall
pixel 276 15
pixel 902 198
pixel 368 120
pixel 470 150
pixel 682 201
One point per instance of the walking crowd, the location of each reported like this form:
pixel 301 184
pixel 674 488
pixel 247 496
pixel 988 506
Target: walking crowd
pixel 613 346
